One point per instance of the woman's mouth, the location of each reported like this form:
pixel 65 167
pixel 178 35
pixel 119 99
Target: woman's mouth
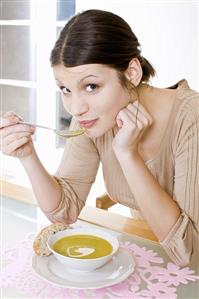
pixel 88 123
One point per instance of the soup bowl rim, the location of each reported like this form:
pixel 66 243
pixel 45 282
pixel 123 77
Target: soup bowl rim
pixel 82 231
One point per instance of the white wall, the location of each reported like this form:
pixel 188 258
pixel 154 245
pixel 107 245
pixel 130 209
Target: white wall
pixel 168 32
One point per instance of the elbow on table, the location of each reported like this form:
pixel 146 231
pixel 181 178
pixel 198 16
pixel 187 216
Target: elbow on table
pixel 184 261
pixel 63 215
pixel 181 257
pixel 182 242
pixel 62 219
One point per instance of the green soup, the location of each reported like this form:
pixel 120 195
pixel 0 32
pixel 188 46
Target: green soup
pixel 83 246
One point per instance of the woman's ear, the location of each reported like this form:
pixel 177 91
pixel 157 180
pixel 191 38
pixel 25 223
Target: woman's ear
pixel 134 72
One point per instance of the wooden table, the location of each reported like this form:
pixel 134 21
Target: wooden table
pixel 93 215
pixel 21 215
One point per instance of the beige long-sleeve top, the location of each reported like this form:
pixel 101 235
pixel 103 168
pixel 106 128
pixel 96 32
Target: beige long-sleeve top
pixel 175 167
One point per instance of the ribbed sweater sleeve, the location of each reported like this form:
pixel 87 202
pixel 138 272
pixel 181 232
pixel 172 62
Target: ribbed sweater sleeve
pixel 75 176
pixel 182 242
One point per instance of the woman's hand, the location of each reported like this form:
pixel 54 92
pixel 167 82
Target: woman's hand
pixel 15 137
pixel 132 121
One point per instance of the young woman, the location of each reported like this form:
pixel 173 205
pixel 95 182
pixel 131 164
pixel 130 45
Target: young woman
pixel 147 138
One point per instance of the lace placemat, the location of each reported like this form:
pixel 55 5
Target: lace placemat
pixel 152 278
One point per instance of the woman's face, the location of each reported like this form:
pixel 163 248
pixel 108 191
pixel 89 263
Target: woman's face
pixel 93 95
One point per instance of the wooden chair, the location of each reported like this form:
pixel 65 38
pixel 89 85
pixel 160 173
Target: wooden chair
pixel 104 202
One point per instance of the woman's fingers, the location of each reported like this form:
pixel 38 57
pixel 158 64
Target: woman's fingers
pixel 133 123
pixel 9 118
pixel 140 112
pixel 126 118
pixel 135 120
pixel 15 145
pixel 15 128
pixel 8 121
pixel 15 136
pixel 137 117
pixel 12 114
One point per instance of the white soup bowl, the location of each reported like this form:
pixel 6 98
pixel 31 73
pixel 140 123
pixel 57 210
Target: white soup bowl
pixel 85 264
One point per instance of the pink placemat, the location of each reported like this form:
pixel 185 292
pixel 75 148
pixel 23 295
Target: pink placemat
pixel 152 278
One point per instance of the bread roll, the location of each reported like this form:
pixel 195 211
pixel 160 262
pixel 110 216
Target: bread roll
pixel 39 245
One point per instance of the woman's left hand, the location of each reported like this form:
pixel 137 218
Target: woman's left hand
pixel 132 121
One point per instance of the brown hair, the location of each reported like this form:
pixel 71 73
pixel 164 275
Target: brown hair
pixel 97 36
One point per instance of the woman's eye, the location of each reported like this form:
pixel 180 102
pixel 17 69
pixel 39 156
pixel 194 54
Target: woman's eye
pixel 64 90
pixel 91 87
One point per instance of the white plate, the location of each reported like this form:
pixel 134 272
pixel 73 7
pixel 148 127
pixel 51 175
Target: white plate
pixel 115 271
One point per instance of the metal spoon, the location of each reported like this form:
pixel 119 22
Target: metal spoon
pixel 64 133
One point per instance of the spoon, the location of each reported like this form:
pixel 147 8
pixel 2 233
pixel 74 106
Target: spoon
pixel 64 133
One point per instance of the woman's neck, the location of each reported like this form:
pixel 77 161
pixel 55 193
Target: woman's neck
pixel 155 99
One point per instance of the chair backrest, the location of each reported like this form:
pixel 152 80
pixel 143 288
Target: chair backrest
pixel 104 202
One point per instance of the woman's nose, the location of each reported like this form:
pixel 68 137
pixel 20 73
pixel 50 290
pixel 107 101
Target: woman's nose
pixel 78 107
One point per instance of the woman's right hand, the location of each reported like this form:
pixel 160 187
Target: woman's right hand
pixel 15 137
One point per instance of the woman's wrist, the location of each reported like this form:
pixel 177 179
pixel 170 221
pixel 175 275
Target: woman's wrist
pixel 124 156
pixel 28 160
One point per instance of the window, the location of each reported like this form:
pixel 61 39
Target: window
pixel 28 33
